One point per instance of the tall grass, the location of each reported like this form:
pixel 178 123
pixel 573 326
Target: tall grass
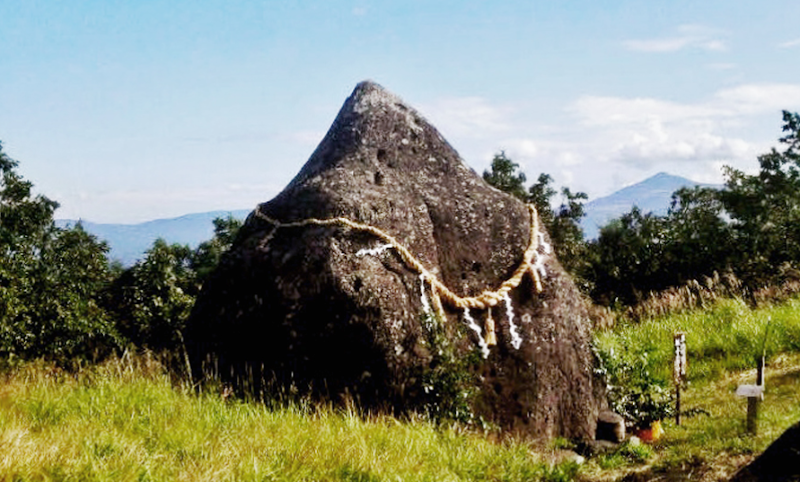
pixel 127 420
pixel 728 336
pixel 697 295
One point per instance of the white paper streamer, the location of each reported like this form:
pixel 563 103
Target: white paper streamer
pixel 516 340
pixel 426 306
pixel 373 251
pixel 477 329
pixel 543 243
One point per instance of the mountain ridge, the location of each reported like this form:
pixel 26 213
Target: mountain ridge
pixel 653 194
pixel 128 242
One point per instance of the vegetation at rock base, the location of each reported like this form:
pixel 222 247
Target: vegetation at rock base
pixel 448 383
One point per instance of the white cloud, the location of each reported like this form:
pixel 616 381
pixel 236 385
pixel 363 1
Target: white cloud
pixel 759 98
pixel 522 148
pixel 790 44
pixel 359 11
pixel 605 111
pixel 671 146
pixel 468 116
pixel 643 133
pixel 746 99
pixel 687 36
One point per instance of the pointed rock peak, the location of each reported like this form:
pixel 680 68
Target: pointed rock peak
pixel 370 98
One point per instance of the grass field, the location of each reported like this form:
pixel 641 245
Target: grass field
pixel 126 419
pixel 727 337
pixel 722 343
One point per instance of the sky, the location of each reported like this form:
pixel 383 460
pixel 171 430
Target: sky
pixel 126 111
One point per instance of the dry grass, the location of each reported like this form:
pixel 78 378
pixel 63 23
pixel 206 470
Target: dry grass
pixel 696 295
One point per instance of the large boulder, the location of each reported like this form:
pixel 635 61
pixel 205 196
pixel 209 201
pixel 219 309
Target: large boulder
pixel 376 276
pixel 779 463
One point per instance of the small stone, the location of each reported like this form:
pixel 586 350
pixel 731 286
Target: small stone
pixel 610 426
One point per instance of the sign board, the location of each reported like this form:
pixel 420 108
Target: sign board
pixel 750 391
pixel 679 368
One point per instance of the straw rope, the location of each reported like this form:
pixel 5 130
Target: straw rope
pixel 439 290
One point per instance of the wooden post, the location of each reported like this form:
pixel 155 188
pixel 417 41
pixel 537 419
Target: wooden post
pixel 679 371
pixel 754 402
pixel 752 415
pixel 754 394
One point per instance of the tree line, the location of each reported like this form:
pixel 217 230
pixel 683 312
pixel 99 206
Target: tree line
pixel 749 228
pixel 61 298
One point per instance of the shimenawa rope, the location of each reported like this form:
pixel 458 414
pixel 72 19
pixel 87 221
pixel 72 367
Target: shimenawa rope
pixel 439 291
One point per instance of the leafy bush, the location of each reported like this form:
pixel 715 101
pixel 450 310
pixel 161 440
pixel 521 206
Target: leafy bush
pixel 448 384
pixel 634 391
pixel 153 298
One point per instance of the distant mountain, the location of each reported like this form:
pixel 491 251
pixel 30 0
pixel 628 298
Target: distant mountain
pixel 128 242
pixel 654 194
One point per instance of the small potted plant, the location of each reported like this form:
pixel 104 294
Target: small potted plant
pixel 645 406
pixel 637 395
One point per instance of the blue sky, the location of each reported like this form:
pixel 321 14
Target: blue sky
pixel 129 111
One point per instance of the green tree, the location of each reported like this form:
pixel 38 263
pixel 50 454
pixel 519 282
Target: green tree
pixel 504 176
pixel 699 238
pixel 153 298
pixel 765 209
pixel 540 194
pixel 207 256
pixel 50 279
pixel 627 258
pixel 567 234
